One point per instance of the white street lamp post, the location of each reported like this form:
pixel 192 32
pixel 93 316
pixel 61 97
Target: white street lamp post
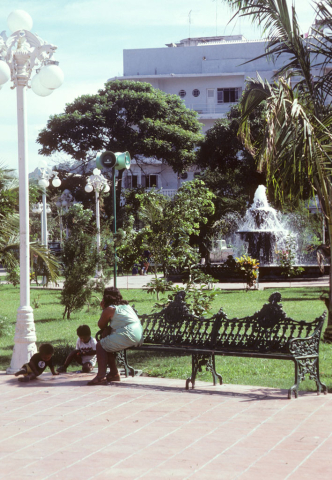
pixel 97 182
pixel 19 55
pixel 46 175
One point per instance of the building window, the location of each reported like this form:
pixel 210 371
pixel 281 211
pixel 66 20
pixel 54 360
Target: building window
pixel 182 93
pixel 184 176
pixel 196 92
pixel 132 181
pixel 151 181
pixel 228 95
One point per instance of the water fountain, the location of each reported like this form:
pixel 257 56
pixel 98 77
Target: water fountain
pixel 262 230
pixel 261 233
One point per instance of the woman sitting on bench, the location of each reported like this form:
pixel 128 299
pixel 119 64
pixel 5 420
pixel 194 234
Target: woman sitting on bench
pixel 126 331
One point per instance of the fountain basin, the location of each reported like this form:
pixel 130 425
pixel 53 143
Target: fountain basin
pixel 267 273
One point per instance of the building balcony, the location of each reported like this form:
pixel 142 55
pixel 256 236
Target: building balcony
pixel 206 110
pixel 168 192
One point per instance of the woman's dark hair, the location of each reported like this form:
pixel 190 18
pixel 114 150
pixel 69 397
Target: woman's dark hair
pixel 112 296
pixel 83 331
pixel 46 349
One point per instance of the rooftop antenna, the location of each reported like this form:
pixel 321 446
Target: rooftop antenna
pixel 216 17
pixel 189 18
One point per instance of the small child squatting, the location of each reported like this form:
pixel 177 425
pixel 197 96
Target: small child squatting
pixel 85 352
pixel 38 362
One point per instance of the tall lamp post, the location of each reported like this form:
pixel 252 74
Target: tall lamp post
pixel 98 183
pixel 44 181
pixel 20 54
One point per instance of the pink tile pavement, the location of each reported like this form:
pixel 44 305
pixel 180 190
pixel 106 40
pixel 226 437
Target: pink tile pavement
pixel 151 428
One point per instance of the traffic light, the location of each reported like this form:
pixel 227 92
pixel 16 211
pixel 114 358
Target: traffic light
pixel 119 160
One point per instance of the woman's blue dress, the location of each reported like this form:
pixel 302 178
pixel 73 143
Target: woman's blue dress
pixel 127 330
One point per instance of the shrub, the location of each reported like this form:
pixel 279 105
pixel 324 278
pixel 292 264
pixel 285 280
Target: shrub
pixel 286 259
pixel 158 285
pixel 13 275
pixel 61 352
pixel 248 268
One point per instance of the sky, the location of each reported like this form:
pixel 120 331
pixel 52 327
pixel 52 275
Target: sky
pixel 91 35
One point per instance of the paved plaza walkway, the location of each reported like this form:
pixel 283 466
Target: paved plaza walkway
pixel 153 429
pixel 139 281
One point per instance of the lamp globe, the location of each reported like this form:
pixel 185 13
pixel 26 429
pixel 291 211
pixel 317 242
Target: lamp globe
pixel 38 88
pixel 51 76
pixel 56 182
pixel 4 72
pixel 43 183
pixel 19 20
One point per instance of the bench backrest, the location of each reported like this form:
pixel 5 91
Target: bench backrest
pixel 268 330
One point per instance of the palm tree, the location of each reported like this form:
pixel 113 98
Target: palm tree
pixel 9 227
pixel 297 146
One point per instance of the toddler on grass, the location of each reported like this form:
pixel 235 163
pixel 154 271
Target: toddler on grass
pixel 85 352
pixel 38 362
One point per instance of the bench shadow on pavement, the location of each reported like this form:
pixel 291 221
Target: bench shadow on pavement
pixel 260 393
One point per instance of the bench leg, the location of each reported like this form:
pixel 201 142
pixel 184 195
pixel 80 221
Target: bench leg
pixel 211 367
pixel 197 362
pixel 303 367
pixel 320 385
pixel 121 358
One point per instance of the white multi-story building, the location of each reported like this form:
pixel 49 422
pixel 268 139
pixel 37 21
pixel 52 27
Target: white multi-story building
pixel 208 73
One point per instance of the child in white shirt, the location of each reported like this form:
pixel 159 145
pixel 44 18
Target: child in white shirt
pixel 85 352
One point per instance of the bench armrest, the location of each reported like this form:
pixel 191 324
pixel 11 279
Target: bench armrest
pixel 300 347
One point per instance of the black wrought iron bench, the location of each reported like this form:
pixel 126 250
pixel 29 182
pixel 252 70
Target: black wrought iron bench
pixel 268 333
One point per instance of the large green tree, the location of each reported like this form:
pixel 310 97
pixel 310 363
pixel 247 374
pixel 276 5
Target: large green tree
pixel 297 146
pixel 125 115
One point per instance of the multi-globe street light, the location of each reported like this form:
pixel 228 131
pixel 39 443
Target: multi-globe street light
pixel 98 183
pixel 20 54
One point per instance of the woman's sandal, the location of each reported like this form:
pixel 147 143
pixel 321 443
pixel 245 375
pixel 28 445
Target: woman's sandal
pixel 97 381
pixel 113 378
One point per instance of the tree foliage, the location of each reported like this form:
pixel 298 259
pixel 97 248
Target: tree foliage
pixel 80 259
pixel 125 115
pixel 230 169
pixel 169 223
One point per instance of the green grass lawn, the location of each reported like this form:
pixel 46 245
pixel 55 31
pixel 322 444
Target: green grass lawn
pixel 298 303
